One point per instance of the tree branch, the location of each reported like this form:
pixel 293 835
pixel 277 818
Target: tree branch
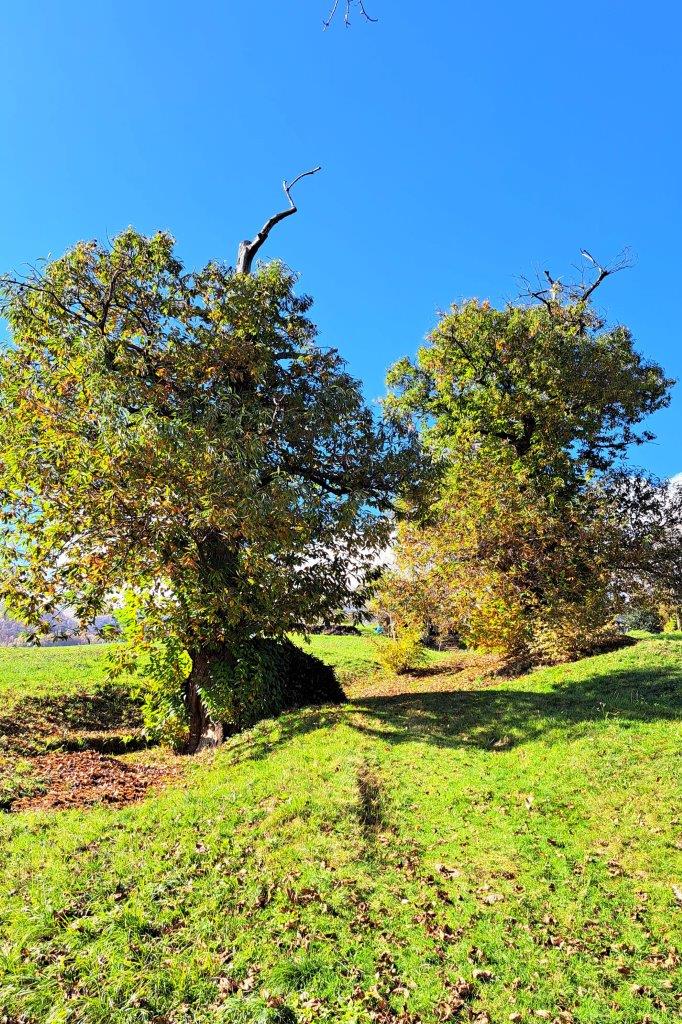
pixel 557 293
pixel 248 249
pixel 346 13
pixel 622 262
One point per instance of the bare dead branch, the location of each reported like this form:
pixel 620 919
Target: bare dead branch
pixel 348 4
pixel 248 249
pixel 330 17
pixel 623 261
pixel 364 13
pixel 578 292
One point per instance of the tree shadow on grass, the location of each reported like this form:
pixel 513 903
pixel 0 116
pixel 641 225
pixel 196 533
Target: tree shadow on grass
pixel 501 718
pixel 39 720
pixel 489 718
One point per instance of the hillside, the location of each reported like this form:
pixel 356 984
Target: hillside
pixel 447 847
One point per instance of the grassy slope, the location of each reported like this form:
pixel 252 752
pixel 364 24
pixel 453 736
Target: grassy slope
pixel 55 696
pixel 64 671
pixel 532 831
pixel 45 672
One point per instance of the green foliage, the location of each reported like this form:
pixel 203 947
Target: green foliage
pixel 402 653
pixel 525 412
pixel 180 431
pixel 180 435
pixel 159 668
pixel 256 679
pixel 642 618
pixel 264 677
pixel 554 386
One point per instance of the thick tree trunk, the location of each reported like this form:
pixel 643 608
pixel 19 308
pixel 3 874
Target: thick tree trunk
pixel 203 731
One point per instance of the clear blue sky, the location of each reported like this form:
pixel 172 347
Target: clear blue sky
pixel 463 144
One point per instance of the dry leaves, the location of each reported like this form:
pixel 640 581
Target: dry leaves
pixel 449 872
pixel 85 778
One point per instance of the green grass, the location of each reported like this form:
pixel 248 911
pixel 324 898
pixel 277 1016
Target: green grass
pixel 55 672
pixel 49 671
pixel 519 858
pixel 57 697
pixel 352 656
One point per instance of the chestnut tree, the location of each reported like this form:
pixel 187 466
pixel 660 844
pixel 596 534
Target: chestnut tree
pixel 179 439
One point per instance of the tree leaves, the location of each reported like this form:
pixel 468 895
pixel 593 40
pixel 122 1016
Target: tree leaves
pixel 180 434
pixel 517 544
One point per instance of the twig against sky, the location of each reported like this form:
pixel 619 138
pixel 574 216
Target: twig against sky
pixel 347 7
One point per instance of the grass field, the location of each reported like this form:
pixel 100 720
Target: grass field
pixel 442 848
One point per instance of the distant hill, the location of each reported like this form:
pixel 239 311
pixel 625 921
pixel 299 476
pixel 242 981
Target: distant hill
pixel 64 631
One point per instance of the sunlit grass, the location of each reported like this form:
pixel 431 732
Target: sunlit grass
pixel 523 863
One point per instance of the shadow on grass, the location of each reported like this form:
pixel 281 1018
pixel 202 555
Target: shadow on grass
pixel 489 718
pixel 36 720
pixel 499 718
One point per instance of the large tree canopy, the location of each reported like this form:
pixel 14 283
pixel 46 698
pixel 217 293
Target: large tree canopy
pixel 181 435
pixel 526 410
pixel 549 385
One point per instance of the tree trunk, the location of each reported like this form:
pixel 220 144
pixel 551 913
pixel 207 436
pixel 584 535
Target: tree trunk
pixel 203 731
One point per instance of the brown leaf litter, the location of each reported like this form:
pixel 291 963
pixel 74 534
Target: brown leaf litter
pixel 85 778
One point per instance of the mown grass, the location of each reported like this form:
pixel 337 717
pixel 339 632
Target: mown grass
pixel 353 656
pixel 521 860
pixel 58 672
pixel 49 671
pixel 61 698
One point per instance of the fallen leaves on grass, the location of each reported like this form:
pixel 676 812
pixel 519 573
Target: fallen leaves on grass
pixel 443 869
pixel 460 993
pixel 85 778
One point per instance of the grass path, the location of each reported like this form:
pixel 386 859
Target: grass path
pixel 443 848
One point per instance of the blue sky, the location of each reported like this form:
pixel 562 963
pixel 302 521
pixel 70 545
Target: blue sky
pixel 463 145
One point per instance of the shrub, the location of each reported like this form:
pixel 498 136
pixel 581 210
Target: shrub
pixel 158 676
pixel 265 678
pixel 641 617
pixel 259 680
pixel 403 654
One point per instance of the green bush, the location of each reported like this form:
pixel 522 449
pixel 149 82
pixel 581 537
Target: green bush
pixel 265 678
pixel 403 654
pixel 258 680
pixel 640 617
pixel 157 679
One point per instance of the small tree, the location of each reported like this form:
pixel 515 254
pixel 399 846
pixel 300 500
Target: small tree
pixel 178 436
pixel 526 411
pixel 649 569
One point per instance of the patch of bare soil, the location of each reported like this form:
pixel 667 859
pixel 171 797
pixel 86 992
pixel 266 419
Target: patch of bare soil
pixel 85 778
